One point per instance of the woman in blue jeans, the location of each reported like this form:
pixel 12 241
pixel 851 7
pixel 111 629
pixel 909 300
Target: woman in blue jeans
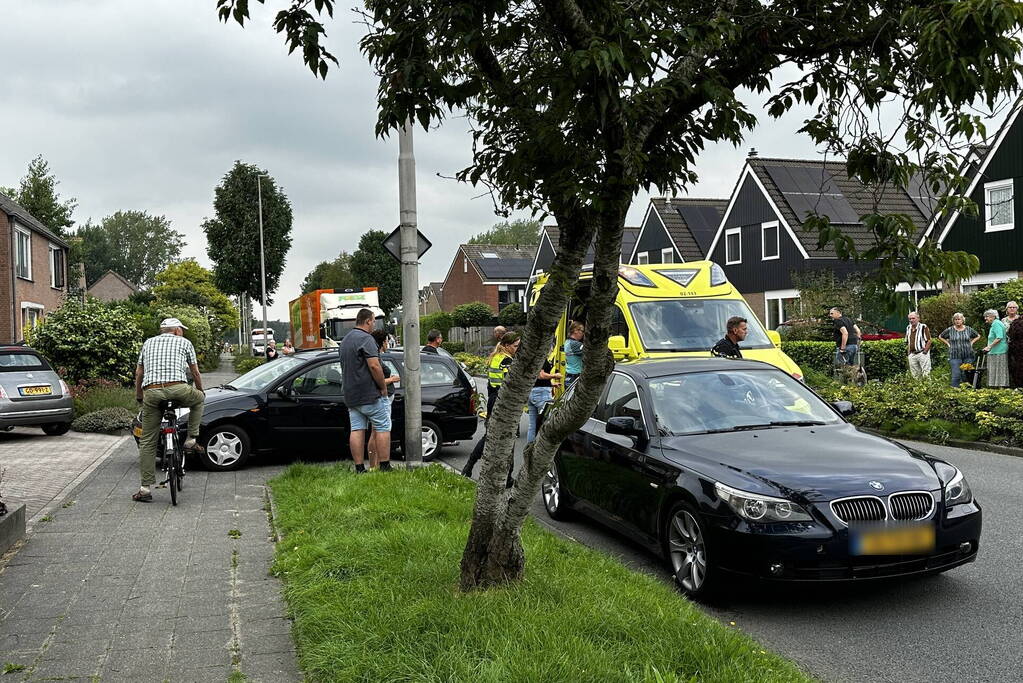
pixel 960 339
pixel 539 395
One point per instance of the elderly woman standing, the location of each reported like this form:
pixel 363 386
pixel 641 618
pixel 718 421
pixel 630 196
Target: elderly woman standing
pixel 997 363
pixel 1015 354
pixel 960 339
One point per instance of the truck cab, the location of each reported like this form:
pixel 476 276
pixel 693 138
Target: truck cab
pixel 322 318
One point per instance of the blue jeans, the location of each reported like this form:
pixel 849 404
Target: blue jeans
pixel 849 355
pixel 957 374
pixel 538 397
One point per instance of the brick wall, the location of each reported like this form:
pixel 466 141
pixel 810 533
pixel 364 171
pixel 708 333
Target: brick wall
pixel 6 304
pixel 757 302
pixel 38 289
pixel 465 286
pixel 110 288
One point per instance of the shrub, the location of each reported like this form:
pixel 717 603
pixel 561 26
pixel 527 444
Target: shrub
pixel 89 340
pixel 207 350
pixel 244 362
pixel 104 420
pixel 995 298
pixel 884 359
pixel 473 314
pixel 99 397
pixel 453 347
pixel 512 315
pixel 810 330
pixel 434 321
pixel 936 311
pixel 477 365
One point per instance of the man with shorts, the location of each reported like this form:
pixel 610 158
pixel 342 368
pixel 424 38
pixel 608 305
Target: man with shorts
pixel 362 377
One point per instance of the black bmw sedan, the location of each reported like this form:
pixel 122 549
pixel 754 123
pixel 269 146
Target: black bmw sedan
pixel 297 403
pixel 732 467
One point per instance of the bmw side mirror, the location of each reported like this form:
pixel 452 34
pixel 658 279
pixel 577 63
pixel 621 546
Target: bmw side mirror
pixel 627 426
pixel 844 408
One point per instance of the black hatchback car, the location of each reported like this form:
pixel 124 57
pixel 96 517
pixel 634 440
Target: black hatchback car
pixel 733 467
pixel 297 402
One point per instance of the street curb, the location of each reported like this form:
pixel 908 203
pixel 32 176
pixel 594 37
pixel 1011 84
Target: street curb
pixel 68 490
pixel 955 443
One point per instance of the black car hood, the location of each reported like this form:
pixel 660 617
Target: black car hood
pixel 817 463
pixel 218 395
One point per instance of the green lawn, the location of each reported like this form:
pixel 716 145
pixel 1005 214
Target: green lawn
pixel 370 566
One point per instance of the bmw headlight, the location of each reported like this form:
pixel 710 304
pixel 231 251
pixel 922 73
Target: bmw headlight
pixel 757 508
pixel 957 491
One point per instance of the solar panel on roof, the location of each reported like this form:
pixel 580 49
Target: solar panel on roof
pixel 506 268
pixel 922 196
pixel 811 189
pixel 700 218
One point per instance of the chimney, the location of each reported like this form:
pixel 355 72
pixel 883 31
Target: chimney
pixel 752 153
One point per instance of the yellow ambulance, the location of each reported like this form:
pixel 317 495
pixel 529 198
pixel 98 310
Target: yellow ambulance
pixel 669 310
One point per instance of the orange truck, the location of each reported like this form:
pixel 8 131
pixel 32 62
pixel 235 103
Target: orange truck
pixel 320 319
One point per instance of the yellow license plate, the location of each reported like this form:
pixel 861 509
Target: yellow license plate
pixel 908 540
pixel 137 432
pixel 36 391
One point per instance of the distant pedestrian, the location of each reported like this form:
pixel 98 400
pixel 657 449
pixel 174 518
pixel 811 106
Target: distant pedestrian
pixel 918 346
pixel 573 353
pixel 497 369
pixel 287 349
pixel 362 376
pixel 1011 314
pixel 1015 353
pixel 434 339
pixel 997 363
pixel 271 351
pixel 541 393
pixel 847 337
pixel 160 376
pixel 736 330
pixel 380 337
pixel 960 339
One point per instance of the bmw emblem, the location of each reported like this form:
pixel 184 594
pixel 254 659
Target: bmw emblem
pixel 876 485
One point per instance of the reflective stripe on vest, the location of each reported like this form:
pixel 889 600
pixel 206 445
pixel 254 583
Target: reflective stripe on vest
pixel 496 373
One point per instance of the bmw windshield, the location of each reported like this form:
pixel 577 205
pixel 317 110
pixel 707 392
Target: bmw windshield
pixel 266 374
pixel 734 400
pixel 693 324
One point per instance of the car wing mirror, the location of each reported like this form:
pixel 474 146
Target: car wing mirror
pixel 627 426
pixel 286 392
pixel 774 337
pixel 616 343
pixel 844 408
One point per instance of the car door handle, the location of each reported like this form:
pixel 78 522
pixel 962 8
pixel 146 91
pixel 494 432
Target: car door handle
pixel 329 406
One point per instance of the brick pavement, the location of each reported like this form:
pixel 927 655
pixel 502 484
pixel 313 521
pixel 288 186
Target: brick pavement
pixel 114 590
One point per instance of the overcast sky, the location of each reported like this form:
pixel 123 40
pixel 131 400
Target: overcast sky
pixel 146 105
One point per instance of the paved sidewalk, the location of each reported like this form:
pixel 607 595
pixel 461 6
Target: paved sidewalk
pixel 114 590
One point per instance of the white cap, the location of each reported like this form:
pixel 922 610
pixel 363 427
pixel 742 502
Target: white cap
pixel 172 322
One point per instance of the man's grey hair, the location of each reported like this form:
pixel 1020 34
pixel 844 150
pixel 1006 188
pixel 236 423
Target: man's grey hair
pixel 914 313
pixel 991 312
pixel 164 330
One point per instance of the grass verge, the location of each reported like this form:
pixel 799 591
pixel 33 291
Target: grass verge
pixel 370 566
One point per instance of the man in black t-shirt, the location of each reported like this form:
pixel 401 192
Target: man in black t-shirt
pixel 434 339
pixel 847 337
pixel 735 331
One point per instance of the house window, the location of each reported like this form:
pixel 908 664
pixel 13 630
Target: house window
pixel 23 254
pixel 667 255
pixel 57 267
pixel 465 265
pixel 781 305
pixel 508 294
pixel 31 314
pixel 998 202
pixel 643 258
pixel 733 246
pixel 769 240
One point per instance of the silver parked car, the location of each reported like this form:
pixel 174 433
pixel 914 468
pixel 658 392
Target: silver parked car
pixel 31 393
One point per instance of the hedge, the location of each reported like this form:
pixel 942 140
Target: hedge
pixel 453 347
pixel 883 359
pixel 104 420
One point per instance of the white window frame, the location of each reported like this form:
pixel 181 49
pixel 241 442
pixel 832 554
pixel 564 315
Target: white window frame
pixel 774 298
pixel 667 255
pixel 30 306
pixel 729 261
pixel 28 235
pixel 642 258
pixel 988 188
pixel 465 265
pixel 53 271
pixel 764 227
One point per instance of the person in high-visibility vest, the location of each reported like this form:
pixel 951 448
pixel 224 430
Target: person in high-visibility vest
pixel 497 369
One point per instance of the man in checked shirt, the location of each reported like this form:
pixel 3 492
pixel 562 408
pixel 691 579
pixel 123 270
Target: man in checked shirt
pixel 160 376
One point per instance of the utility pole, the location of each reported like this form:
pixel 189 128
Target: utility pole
pixel 262 258
pixel 410 296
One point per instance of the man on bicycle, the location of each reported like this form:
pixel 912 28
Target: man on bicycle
pixel 160 376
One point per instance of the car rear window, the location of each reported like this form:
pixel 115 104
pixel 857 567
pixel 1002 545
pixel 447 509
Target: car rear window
pixel 16 362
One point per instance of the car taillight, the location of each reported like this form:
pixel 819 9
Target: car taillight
pixel 63 388
pixel 3 394
pixel 472 403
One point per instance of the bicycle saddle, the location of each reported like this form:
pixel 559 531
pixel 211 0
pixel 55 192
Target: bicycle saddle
pixel 167 405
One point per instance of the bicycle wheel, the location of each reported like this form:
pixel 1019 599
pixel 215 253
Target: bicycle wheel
pixel 173 481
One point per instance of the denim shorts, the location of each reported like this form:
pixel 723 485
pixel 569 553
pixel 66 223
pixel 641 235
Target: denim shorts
pixel 377 413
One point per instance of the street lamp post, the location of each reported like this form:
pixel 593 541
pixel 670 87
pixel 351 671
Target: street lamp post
pixel 262 256
pixel 410 296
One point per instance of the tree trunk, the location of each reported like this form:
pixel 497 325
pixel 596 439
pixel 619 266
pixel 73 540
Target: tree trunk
pixel 493 552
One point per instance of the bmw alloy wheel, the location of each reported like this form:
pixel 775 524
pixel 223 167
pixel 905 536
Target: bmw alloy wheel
pixel 688 551
pixel 551 488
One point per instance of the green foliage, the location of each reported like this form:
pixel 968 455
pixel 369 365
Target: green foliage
pixel 472 314
pixel 994 298
pixel 207 350
pixel 453 347
pixel 232 235
pixel 372 266
pixel 522 231
pixel 810 330
pixel 511 315
pixel 936 311
pixel 477 365
pixel 884 359
pixel 133 244
pixel 336 274
pixel 245 361
pixel 188 284
pixel 340 533
pixel 89 340
pixel 90 397
pixel 104 420
pixel 434 321
pixel 37 194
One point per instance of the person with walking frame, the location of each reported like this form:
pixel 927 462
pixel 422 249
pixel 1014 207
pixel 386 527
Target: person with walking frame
pixel 161 376
pixel 497 369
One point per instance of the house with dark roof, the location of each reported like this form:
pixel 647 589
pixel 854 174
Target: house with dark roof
pixel 496 274
pixel 548 248
pixel 431 298
pixel 761 237
pixel 994 235
pixel 33 270
pixel 677 229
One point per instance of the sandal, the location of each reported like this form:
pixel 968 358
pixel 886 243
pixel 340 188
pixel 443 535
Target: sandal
pixel 140 497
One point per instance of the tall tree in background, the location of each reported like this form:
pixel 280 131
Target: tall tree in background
pixel 133 244
pixel 189 284
pixel 37 194
pixel 232 235
pixel 372 266
pixel 336 274
pixel 575 105
pixel 520 231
